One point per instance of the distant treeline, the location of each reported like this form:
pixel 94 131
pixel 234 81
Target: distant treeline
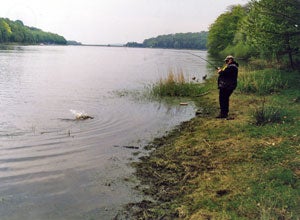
pixel 17 32
pixel 73 42
pixel 176 41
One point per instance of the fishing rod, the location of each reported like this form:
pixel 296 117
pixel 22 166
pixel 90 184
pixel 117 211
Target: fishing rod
pixel 203 59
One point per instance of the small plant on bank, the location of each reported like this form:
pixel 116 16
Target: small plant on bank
pixel 269 114
pixel 175 85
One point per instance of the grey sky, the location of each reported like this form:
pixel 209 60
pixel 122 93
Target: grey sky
pixel 116 21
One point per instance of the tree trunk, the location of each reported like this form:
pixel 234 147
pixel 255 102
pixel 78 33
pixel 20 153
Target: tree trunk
pixel 289 49
pixel 291 59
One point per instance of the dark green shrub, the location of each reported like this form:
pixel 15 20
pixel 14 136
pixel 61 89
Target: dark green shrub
pixel 269 114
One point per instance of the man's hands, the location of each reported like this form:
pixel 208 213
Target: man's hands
pixel 219 69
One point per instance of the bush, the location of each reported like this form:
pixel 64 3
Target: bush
pixel 269 114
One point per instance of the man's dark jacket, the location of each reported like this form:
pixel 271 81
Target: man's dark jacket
pixel 228 77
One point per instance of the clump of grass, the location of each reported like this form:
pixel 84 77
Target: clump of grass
pixel 269 114
pixel 261 82
pixel 175 85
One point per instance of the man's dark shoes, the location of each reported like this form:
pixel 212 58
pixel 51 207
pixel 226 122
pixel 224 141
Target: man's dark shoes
pixel 222 116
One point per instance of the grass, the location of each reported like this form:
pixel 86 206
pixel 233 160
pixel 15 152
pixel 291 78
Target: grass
pixel 262 82
pixel 175 85
pixel 229 169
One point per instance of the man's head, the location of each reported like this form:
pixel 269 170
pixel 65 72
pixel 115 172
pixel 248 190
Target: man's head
pixel 229 59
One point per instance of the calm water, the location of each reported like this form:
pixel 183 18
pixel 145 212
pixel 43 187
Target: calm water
pixel 55 167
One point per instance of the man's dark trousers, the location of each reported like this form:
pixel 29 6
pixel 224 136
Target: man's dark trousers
pixel 224 95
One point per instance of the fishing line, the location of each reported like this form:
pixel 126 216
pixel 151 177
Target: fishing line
pixel 202 59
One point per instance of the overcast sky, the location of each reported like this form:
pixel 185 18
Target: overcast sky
pixel 116 21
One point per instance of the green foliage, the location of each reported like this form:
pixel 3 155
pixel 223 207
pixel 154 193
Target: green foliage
pixel 273 28
pixel 265 29
pixel 176 86
pixel 241 50
pixel 222 32
pixel 176 41
pixel 262 82
pixel 5 31
pixel 17 32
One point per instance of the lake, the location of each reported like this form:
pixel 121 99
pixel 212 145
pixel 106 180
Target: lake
pixel 55 167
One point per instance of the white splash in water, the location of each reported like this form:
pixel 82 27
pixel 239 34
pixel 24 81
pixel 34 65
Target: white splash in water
pixel 80 114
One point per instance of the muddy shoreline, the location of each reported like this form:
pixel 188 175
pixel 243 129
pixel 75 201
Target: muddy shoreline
pixel 162 175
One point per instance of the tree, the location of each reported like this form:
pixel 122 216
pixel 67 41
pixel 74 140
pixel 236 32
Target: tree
pixel 5 31
pixel 179 41
pixel 17 32
pixel 222 32
pixel 273 27
pixel 133 44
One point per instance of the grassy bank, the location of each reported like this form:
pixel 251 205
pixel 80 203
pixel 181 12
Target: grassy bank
pixel 246 168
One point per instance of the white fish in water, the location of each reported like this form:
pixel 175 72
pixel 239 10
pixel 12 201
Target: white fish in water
pixel 80 115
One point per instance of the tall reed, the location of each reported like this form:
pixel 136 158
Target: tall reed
pixel 175 85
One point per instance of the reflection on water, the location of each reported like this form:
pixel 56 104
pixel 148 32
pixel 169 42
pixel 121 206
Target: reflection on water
pixel 53 166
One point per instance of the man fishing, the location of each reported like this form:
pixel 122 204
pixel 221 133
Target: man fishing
pixel 227 82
